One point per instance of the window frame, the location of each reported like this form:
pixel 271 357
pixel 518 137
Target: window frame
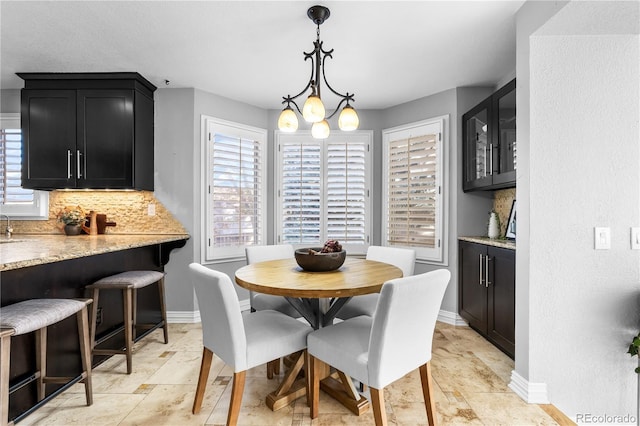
pixel 302 136
pixel 438 254
pixel 210 253
pixel 39 209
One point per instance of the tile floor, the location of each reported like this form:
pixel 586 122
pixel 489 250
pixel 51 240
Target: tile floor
pixel 470 375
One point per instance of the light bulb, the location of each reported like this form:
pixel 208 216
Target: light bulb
pixel 288 122
pixel 313 109
pixel 320 130
pixel 348 119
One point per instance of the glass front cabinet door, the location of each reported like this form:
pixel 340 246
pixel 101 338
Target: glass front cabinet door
pixel 489 142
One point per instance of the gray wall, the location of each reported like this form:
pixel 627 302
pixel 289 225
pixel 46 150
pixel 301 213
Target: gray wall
pixel 469 220
pixel 10 101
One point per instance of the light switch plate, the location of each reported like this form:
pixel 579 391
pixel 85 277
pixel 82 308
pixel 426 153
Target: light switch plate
pixel 602 238
pixel 151 209
pixel 635 238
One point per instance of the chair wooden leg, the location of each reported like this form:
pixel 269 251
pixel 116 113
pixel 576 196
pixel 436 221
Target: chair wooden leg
pixel 276 366
pixel 41 361
pixel 427 392
pixel 271 368
pixel 163 309
pixel 307 376
pixel 85 352
pixel 316 370
pixel 128 327
pixel 236 397
pixel 5 356
pixel 377 401
pixel 205 366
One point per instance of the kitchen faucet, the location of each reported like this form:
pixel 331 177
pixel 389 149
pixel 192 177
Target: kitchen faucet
pixel 8 230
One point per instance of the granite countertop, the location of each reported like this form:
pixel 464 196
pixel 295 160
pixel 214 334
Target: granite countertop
pixel 502 243
pixel 21 251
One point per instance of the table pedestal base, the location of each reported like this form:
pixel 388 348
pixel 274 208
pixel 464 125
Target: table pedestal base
pixel 343 391
pixel 291 387
pixel 337 385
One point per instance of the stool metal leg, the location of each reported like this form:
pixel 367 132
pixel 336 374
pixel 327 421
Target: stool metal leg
pixel 41 361
pixel 85 352
pixel 163 310
pixel 128 327
pixel 5 356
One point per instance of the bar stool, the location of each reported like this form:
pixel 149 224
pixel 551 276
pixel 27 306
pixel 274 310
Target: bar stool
pixel 129 282
pixel 36 315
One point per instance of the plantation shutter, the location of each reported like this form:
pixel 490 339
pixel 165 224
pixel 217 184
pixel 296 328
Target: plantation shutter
pixel 10 169
pixel 236 191
pixel 301 191
pixel 346 192
pixel 413 191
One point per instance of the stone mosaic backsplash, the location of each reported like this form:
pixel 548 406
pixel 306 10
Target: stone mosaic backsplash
pixel 502 201
pixel 128 209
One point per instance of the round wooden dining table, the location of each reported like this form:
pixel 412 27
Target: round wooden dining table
pixel 318 296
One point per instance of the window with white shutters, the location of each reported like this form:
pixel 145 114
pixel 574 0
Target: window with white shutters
pixel 236 188
pixel 323 190
pixel 413 188
pixel 16 201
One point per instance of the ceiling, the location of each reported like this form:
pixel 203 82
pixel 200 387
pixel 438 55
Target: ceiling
pixel 386 52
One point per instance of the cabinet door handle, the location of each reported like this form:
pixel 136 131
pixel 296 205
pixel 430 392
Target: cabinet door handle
pixel 491 158
pixel 481 278
pixel 79 154
pixel 69 154
pixel 487 259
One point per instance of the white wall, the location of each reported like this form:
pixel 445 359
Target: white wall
pixel 528 19
pixel 585 158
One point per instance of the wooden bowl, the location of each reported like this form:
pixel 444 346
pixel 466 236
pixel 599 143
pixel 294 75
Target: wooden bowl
pixel 319 262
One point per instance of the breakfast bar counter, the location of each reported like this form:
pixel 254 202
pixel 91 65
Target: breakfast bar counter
pixel 58 266
pixel 21 251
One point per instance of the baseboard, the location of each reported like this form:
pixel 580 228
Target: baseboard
pixel 451 318
pixel 533 393
pixel 183 317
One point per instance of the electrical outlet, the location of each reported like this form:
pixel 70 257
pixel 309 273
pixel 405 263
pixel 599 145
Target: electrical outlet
pixel 99 316
pixel 151 209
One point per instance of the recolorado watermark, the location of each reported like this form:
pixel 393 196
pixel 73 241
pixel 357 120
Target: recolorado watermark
pixel 600 419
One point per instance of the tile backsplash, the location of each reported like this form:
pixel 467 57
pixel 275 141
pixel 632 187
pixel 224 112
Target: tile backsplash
pixel 129 209
pixel 502 201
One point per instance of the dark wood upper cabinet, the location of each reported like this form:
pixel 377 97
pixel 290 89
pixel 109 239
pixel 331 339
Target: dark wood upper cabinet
pixel 87 130
pixel 489 142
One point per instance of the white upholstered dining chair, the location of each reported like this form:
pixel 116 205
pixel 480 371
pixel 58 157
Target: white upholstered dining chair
pixel 260 302
pixel 242 342
pixel 405 259
pixel 381 349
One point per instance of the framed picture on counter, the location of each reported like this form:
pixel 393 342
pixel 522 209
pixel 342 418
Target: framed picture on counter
pixel 511 225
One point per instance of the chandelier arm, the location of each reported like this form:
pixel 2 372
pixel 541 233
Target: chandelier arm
pixel 346 96
pixel 309 83
pixel 337 108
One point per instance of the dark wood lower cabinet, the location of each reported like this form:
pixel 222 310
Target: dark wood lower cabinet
pixel 67 279
pixel 486 292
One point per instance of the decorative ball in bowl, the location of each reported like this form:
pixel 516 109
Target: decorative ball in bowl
pixel 314 260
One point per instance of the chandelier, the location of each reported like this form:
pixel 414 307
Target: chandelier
pixel 313 110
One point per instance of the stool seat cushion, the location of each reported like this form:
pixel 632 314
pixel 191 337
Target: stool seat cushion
pixel 133 279
pixel 30 315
